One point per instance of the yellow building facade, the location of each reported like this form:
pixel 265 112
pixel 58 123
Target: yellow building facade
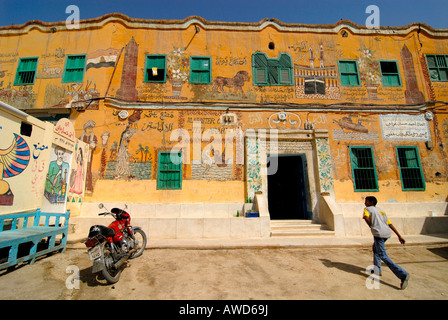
pixel 187 120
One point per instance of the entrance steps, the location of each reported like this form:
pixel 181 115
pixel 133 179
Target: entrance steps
pixel 298 228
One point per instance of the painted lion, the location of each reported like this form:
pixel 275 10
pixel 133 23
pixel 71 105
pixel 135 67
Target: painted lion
pixel 237 82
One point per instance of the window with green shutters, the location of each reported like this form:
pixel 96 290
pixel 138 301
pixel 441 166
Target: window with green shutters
pixel 169 170
pixel 410 169
pixel 200 70
pixel 26 71
pixel 438 67
pixel 272 71
pixel 389 74
pixel 74 68
pixel 348 70
pixel 363 169
pixel 155 68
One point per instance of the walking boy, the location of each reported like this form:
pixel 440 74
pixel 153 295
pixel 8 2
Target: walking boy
pixel 380 227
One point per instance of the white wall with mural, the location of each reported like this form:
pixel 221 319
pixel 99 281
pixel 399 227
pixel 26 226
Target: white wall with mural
pixel 36 163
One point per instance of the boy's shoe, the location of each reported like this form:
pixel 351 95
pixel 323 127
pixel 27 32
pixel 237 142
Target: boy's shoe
pixel 404 282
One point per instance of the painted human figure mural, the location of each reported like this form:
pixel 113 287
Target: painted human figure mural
pixel 56 182
pixel 90 138
pixel 123 168
pixel 77 179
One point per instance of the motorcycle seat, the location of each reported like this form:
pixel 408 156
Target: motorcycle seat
pixel 103 230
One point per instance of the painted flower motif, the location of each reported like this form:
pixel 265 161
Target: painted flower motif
pixel 171 62
pixel 369 69
pixel 176 74
pixel 361 64
pixel 178 65
pixel 323 154
pixel 367 53
pixel 326 182
pixel 178 52
pixel 372 77
pixel 184 76
pixel 185 62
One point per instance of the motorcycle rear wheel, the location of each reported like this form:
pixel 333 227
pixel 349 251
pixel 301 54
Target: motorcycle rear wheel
pixel 110 273
pixel 140 242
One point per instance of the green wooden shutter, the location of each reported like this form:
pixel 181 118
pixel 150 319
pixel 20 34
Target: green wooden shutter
pixel 437 67
pixel 345 78
pixel 389 74
pixel 349 73
pixel 285 76
pixel 74 68
pixel 26 71
pixel 169 175
pixel 159 73
pixel 363 169
pixel 443 68
pixel 200 70
pixel 411 173
pixel 260 76
pixel 268 71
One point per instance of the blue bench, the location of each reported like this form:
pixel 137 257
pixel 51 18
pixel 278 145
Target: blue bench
pixel 20 242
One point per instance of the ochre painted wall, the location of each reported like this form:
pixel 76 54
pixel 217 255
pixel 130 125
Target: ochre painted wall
pixel 115 50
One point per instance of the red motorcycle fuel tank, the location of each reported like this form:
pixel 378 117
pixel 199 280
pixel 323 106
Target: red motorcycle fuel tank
pixel 124 219
pixel 118 227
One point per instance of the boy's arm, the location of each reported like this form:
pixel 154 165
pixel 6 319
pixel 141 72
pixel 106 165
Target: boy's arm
pixel 366 217
pixel 402 241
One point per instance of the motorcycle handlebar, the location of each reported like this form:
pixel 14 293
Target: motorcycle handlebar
pixel 103 213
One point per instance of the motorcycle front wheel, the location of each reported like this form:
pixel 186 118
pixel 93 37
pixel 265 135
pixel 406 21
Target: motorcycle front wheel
pixel 110 273
pixel 139 243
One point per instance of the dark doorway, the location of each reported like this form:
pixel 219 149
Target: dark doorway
pixel 286 189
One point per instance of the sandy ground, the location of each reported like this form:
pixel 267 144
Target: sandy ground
pixel 238 274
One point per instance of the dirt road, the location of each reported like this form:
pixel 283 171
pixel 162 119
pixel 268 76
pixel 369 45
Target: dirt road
pixel 311 273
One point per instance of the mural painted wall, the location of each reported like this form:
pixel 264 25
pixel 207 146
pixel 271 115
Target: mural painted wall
pixel 360 87
pixel 35 160
pixel 116 63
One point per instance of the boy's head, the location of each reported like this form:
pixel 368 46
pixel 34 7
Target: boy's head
pixel 370 201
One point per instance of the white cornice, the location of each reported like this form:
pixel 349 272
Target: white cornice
pixel 230 26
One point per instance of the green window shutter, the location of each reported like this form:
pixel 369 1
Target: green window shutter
pixel 363 169
pixel 273 77
pixel 431 61
pixel 285 76
pixel 260 76
pixel 350 67
pixel 26 71
pixel 200 70
pixel 354 80
pixel 437 67
pixel 411 173
pixel 345 80
pixel 155 68
pixel 389 74
pixel 169 171
pixel 441 61
pixel 74 68
pixel 443 74
pixel 268 71
pixel 348 70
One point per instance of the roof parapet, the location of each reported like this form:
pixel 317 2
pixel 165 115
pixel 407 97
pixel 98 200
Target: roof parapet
pixel 167 24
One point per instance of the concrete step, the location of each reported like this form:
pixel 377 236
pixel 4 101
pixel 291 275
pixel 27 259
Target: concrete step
pixel 298 228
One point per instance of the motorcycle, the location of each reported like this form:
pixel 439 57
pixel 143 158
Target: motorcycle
pixel 110 247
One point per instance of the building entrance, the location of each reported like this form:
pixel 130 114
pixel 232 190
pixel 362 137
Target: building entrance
pixel 287 189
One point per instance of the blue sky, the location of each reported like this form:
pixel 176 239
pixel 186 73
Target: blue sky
pixel 392 12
